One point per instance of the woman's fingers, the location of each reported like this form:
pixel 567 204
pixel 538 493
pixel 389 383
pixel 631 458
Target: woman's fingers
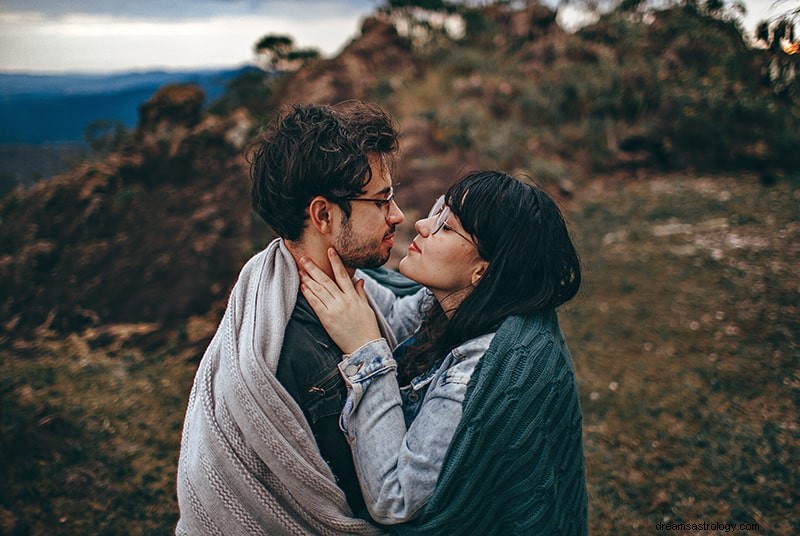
pixel 323 292
pixel 359 286
pixel 345 314
pixel 314 277
pixel 339 271
pixel 311 298
pixel 314 272
pixel 320 293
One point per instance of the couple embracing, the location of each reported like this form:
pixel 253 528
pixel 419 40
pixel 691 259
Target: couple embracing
pixel 336 400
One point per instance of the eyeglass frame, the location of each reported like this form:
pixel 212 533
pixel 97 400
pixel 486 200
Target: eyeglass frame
pixel 442 211
pixel 382 202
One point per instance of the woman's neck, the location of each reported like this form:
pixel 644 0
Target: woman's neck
pixel 451 300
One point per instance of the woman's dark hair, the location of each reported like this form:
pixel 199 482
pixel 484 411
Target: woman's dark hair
pixel 312 150
pixel 532 263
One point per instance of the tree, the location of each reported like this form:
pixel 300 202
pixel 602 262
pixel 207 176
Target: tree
pixel 781 39
pixel 271 48
pixel 423 21
pixel 277 53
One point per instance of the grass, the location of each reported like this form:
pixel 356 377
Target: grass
pixel 90 439
pixel 686 349
pixel 685 340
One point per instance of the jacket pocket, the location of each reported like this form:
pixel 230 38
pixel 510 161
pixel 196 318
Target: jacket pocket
pixel 325 396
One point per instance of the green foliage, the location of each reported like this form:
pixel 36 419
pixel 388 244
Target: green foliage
pixel 273 43
pixel 277 52
pixel 430 5
pixel 303 54
pixel 676 88
pixel 782 42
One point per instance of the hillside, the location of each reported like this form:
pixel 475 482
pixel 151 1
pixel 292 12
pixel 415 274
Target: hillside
pixel 664 136
pixel 516 92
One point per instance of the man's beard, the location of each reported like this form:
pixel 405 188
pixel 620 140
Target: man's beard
pixel 357 253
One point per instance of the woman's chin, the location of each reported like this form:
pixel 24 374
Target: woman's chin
pixel 404 269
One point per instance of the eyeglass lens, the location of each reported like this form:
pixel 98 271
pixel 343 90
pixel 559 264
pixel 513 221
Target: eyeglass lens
pixel 437 207
pixel 443 211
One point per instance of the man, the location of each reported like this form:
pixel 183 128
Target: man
pixel 261 451
pixel 357 219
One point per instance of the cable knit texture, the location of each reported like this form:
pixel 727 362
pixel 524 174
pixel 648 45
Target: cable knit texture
pixel 515 466
pixel 249 464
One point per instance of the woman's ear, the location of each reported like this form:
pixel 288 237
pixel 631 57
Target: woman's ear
pixel 319 214
pixel 480 269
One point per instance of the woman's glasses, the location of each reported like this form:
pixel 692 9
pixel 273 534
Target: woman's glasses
pixel 442 212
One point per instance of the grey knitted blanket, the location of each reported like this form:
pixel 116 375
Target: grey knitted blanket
pixel 248 462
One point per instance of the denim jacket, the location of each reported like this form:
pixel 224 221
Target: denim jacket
pixel 307 369
pixel 398 464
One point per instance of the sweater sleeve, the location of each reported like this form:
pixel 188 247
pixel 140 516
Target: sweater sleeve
pixel 403 313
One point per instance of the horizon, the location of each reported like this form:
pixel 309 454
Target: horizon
pixel 133 71
pixel 207 35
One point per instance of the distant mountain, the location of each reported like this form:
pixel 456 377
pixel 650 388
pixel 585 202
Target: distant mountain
pixel 57 108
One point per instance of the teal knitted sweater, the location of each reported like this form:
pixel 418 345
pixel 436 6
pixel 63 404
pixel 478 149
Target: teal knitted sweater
pixel 515 465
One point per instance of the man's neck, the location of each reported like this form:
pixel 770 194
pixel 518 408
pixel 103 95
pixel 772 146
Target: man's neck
pixel 318 253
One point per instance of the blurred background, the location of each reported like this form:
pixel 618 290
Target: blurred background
pixel 668 131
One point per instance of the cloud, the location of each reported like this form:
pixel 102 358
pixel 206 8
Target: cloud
pixel 189 9
pixel 102 43
pixel 112 35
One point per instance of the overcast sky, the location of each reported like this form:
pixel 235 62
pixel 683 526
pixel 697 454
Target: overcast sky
pixel 123 35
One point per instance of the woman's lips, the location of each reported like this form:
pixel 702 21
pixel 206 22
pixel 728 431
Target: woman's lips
pixel 413 247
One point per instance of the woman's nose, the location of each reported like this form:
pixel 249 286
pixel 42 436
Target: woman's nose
pixel 423 226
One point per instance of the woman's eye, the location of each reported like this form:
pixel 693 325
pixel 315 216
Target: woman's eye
pixel 447 227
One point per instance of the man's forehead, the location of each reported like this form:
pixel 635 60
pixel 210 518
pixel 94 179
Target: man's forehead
pixel 381 172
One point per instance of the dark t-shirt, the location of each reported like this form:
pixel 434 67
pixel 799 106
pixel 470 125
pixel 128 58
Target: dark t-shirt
pixel 307 368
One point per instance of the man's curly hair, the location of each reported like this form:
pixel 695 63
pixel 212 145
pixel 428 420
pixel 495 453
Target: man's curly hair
pixel 311 150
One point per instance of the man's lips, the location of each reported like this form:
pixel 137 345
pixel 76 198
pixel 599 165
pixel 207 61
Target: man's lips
pixel 389 238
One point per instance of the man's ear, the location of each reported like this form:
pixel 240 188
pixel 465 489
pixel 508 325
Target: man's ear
pixel 480 269
pixel 319 214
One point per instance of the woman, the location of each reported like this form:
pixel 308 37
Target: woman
pixel 484 436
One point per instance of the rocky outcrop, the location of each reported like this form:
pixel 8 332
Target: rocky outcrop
pixel 378 57
pixel 152 234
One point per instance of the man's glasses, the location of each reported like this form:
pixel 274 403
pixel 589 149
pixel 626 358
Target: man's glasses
pixel 442 212
pixel 381 202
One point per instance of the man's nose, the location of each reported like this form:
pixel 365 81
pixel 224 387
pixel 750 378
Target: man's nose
pixel 396 215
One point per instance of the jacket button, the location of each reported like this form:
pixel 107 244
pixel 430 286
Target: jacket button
pixel 413 396
pixel 352 370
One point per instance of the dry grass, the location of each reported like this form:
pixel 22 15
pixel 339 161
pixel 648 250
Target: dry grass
pixel 685 341
pixel 686 349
